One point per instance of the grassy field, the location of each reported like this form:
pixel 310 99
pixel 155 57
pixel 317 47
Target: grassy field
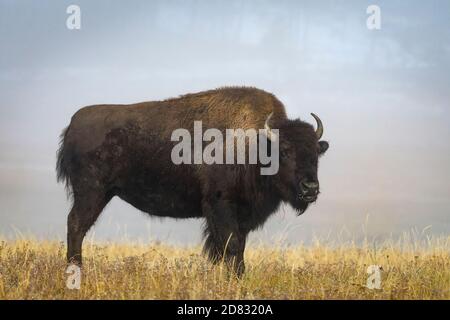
pixel 32 269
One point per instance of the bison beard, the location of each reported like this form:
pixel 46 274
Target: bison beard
pixel 124 151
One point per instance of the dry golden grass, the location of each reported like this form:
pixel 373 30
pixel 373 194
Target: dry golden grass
pixel 32 269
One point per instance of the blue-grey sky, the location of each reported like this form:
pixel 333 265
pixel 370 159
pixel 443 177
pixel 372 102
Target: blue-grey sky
pixel 383 96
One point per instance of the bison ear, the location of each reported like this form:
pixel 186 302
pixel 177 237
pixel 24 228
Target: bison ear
pixel 323 146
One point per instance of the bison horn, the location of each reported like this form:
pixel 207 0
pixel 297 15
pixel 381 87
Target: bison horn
pixel 269 133
pixel 319 130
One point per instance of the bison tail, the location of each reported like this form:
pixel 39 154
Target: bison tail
pixel 63 157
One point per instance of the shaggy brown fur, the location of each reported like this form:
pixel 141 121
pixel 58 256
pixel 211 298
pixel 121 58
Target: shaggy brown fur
pixel 124 151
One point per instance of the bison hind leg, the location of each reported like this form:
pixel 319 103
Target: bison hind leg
pixel 85 211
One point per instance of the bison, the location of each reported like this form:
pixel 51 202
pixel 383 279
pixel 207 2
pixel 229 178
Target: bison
pixel 124 151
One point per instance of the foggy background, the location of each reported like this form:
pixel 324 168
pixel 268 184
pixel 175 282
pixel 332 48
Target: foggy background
pixel 383 96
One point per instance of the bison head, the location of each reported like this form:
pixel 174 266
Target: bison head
pixel 300 148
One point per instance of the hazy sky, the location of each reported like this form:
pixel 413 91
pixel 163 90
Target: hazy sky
pixel 383 96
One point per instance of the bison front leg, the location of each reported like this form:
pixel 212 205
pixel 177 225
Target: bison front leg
pixel 224 239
